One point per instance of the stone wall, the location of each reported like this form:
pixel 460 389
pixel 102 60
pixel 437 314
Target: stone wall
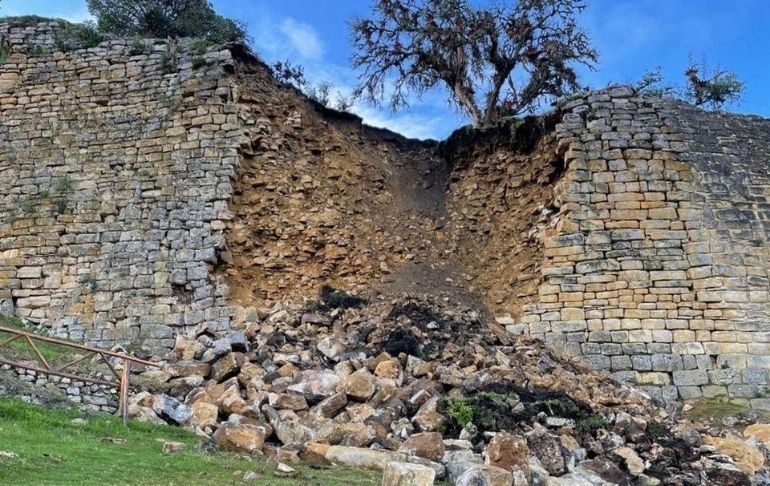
pixel 659 269
pixel 87 396
pixel 115 174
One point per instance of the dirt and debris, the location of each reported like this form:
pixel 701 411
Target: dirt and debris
pixel 321 199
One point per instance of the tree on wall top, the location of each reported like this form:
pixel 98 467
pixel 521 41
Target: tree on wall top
pixel 704 87
pixel 495 61
pixel 166 18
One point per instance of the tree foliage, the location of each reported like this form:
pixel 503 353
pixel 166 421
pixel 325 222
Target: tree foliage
pixel 495 61
pixel 166 18
pixel 713 90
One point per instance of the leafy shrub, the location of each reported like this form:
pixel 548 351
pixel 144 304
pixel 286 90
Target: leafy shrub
pixel 459 410
pixel 78 36
pixel 714 90
pixel 166 18
pixel 199 62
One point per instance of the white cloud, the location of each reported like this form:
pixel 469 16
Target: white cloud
pixel 410 125
pixel 303 38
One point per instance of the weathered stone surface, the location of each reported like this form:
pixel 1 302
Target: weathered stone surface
pixel 315 384
pixel 172 409
pixel 468 474
pixel 429 445
pixel 747 457
pixel 359 386
pixel 633 462
pixel 240 438
pixel 549 452
pixel 405 474
pixel 508 452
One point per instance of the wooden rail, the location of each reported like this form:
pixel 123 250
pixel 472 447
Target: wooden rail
pixel 122 377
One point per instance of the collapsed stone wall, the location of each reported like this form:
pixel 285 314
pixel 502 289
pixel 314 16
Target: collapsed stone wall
pixel 115 187
pixel 114 179
pixel 659 269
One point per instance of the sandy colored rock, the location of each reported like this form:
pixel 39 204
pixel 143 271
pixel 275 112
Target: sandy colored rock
pixel 170 447
pixel 358 386
pixel 760 431
pixel 747 457
pixel 405 474
pixel 508 452
pixel 240 438
pixel 633 462
pixel 429 445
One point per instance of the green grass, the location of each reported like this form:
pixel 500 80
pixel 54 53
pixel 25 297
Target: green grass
pixel 716 408
pixel 21 350
pixel 53 451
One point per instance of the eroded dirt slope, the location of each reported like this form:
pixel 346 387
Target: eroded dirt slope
pixel 321 199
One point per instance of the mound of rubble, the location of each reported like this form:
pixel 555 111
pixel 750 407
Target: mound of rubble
pixel 423 391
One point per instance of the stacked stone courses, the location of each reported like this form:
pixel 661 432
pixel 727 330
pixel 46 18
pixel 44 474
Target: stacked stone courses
pixel 115 179
pixel 115 174
pixel 659 269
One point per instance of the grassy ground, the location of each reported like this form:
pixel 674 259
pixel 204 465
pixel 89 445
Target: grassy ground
pixel 53 451
pixel 21 350
pixel 715 409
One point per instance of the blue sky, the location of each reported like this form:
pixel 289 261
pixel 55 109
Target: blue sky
pixel 632 36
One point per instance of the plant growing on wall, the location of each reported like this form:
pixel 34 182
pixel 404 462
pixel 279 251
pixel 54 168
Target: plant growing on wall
pixel 166 18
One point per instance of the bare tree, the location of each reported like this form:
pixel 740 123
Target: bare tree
pixel 494 61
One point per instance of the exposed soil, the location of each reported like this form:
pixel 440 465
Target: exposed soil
pixel 322 199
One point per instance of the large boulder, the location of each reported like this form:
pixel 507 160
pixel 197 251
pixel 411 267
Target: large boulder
pixel 360 385
pixel 429 445
pixel 548 451
pixel 225 367
pixel 470 474
pixel 171 409
pixel 633 462
pixel 315 385
pixel 405 474
pixel 188 367
pixel 331 406
pixel 240 438
pixel 746 456
pixel 508 452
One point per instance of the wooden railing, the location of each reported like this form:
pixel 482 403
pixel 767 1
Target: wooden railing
pixel 122 377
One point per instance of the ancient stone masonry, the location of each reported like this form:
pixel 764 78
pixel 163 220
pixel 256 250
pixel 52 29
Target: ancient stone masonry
pixel 115 173
pixel 137 175
pixel 659 269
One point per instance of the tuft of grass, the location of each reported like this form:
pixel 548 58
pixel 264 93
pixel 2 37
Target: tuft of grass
pixel 199 62
pixel 78 36
pixel 592 423
pixel 53 451
pixel 656 429
pixel 199 46
pixel 5 52
pixel 138 47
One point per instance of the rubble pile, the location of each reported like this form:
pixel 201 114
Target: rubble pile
pixel 425 391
